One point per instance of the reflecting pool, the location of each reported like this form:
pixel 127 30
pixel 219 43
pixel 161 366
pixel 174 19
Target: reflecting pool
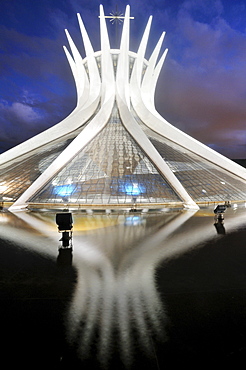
pixel 134 290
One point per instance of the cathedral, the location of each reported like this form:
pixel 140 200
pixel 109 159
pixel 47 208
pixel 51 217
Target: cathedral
pixel 115 150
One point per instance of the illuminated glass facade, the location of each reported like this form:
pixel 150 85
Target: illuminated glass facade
pixel 111 169
pixel 18 174
pixel 203 180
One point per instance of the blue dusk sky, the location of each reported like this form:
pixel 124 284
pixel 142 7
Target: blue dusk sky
pixel 201 89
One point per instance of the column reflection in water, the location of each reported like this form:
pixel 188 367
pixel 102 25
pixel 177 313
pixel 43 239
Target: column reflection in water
pixel 115 308
pixel 116 301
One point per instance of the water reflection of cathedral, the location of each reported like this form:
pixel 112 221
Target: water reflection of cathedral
pixel 116 309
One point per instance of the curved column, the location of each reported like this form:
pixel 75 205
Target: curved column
pixel 147 84
pixel 151 96
pixel 108 80
pixel 143 98
pixel 139 136
pixel 90 131
pixel 78 70
pixel 136 77
pixel 95 80
pixel 122 76
pixel 142 92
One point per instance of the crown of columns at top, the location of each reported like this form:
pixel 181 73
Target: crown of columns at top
pixel 108 65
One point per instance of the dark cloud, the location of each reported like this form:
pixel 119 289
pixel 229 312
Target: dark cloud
pixel 202 86
pixel 36 85
pixel 21 120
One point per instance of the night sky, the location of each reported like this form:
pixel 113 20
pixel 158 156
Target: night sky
pixel 201 89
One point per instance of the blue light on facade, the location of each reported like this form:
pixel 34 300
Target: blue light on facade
pixel 64 190
pixel 134 189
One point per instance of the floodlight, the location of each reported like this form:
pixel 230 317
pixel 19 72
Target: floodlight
pixel 221 208
pixel 64 221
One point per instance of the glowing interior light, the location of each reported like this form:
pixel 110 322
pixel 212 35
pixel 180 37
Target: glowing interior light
pixel 64 190
pixel 133 189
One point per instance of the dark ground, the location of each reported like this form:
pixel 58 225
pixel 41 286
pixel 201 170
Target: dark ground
pixel 204 292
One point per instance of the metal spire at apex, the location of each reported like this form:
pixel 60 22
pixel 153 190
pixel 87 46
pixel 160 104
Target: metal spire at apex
pixel 115 149
pixel 116 16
